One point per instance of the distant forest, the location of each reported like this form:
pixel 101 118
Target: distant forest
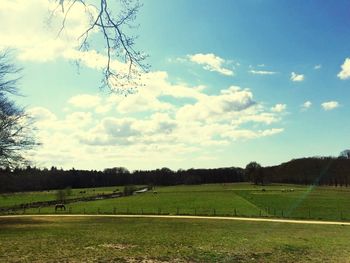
pixel 317 171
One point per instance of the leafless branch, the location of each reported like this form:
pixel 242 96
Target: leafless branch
pixel 118 45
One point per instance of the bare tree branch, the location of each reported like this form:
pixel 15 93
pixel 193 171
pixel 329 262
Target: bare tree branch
pixel 119 46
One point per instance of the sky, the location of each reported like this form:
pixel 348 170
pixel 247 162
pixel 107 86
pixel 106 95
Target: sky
pixel 230 82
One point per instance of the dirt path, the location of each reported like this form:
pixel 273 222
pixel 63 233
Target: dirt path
pixel 290 221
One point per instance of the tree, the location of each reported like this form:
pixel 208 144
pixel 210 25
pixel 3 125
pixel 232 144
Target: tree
pixel 62 194
pixel 254 172
pixel 345 154
pixel 111 24
pixel 129 189
pixel 15 128
pixel 116 170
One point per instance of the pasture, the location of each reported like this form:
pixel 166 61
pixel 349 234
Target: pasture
pixel 88 239
pixel 11 199
pixel 242 199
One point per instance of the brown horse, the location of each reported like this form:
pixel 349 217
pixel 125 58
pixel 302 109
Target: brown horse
pixel 60 206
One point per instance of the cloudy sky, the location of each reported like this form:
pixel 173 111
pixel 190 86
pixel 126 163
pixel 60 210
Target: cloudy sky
pixel 230 82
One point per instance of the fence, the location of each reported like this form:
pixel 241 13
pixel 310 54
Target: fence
pixel 307 213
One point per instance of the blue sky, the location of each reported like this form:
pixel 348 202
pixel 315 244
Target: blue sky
pixel 230 82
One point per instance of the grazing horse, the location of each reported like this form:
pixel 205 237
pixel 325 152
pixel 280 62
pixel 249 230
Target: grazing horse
pixel 60 206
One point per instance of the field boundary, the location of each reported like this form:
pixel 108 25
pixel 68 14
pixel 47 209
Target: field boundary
pixel 250 219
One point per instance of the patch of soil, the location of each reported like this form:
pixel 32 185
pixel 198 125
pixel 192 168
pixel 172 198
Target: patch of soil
pixel 117 246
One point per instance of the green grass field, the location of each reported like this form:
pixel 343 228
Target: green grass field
pixel 12 199
pixel 243 199
pixel 88 239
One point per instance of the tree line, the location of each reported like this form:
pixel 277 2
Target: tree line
pixel 35 179
pixel 308 171
pixel 316 171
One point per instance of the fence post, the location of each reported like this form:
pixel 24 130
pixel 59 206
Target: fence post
pixel 214 212
pixel 259 213
pixel 177 210
pixel 114 210
pixel 39 210
pixel 282 213
pixel 235 212
pixel 159 211
pixel 195 211
pixel 98 211
pixel 84 211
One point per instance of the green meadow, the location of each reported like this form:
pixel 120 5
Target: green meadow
pixel 11 199
pixel 87 239
pixel 243 199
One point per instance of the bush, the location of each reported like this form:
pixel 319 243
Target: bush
pixel 63 193
pixel 129 189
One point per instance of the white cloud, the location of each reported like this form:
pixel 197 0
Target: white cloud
pixel 223 106
pixel 250 134
pixel 345 70
pixel 148 98
pixel 95 60
pixel 98 61
pixel 330 105
pixel 142 102
pixel 306 105
pixel 90 58
pixel 279 107
pixel 296 77
pixel 262 72
pixel 221 114
pixel 24 27
pixel 145 126
pixel 85 101
pixel 211 62
pixel 319 66
pixel 41 114
pixel 103 108
pixel 79 118
pixel 257 115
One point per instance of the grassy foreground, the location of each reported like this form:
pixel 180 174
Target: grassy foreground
pixel 90 239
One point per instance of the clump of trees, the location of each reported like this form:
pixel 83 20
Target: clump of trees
pixel 333 171
pixel 345 154
pixel 129 190
pixel 62 194
pixel 254 173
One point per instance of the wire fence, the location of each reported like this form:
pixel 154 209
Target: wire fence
pixel 305 213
